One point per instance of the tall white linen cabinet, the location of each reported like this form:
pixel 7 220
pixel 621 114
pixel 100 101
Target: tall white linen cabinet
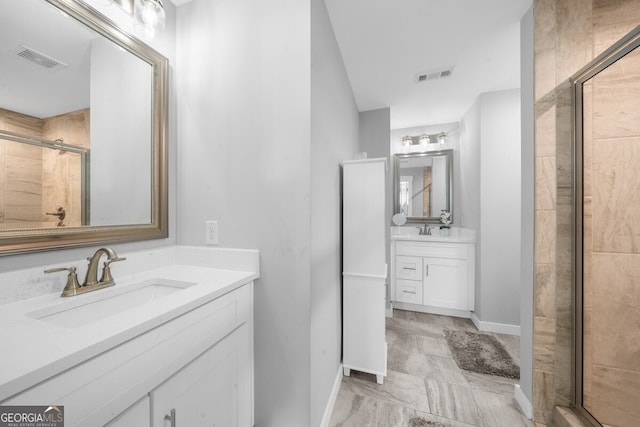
pixel 364 268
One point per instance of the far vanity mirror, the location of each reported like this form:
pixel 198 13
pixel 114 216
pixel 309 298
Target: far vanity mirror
pixel 423 185
pixel 83 110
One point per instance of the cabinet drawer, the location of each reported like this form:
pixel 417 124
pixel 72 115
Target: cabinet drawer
pixel 433 250
pixel 409 267
pixel 409 291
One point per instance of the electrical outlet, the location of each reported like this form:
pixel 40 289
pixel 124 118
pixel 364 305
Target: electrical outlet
pixel 211 234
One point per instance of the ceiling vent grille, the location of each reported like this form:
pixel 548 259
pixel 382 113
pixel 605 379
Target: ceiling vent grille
pixel 38 58
pixel 434 74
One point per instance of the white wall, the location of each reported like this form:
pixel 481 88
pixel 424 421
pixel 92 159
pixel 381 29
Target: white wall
pixel 500 207
pixel 165 44
pixel 375 131
pixel 491 168
pixel 527 206
pixel 250 101
pixel 120 167
pixel 334 138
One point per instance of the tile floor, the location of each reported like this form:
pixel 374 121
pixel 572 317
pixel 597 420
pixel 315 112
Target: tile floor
pixel 424 387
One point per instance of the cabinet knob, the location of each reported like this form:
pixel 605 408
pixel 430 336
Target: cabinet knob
pixel 171 417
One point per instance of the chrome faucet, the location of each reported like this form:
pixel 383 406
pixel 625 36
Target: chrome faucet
pixel 91 282
pixel 91 279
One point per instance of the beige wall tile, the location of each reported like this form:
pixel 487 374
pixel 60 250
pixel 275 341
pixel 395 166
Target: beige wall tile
pixel 72 127
pixel 543 396
pixel 616 311
pixel 20 123
pixel 616 195
pixel 544 47
pixel 545 183
pixel 615 396
pixel 613 19
pixel 545 295
pixel 544 344
pixel 574 42
pixel 545 128
pixel 545 239
pixel 616 92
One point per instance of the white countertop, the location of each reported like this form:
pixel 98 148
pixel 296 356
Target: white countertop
pixel 34 350
pixel 456 234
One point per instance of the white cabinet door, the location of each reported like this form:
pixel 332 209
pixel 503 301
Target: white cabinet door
pixel 137 415
pixel 445 283
pixel 213 390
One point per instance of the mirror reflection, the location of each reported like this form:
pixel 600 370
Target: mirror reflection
pixel 423 184
pixel 63 83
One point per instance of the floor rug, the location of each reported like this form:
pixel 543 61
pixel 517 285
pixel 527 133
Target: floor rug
pixel 481 353
pixel 421 422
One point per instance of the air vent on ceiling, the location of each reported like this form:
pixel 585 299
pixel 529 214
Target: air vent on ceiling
pixel 38 58
pixel 434 74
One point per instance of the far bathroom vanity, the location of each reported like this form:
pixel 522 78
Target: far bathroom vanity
pixel 432 269
pixel 433 273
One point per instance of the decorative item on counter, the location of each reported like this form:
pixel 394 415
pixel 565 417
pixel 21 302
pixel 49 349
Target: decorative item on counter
pixel 445 218
pixel 399 219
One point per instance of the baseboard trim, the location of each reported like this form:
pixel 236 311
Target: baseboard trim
pixel 523 401
pixel 500 328
pixel 431 310
pixel 326 417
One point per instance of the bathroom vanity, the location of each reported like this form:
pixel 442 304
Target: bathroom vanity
pixel 433 273
pixel 167 343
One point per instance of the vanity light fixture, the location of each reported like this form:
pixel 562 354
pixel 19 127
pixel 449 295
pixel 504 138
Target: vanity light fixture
pixel 148 17
pixel 424 140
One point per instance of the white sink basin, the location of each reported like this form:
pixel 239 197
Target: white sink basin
pixel 83 309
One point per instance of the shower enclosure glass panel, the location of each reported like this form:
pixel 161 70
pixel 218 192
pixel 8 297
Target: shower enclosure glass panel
pixel 608 237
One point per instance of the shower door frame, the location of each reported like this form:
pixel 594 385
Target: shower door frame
pixel 614 53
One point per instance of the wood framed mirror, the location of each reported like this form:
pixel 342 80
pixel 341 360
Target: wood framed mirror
pixel 83 130
pixel 423 185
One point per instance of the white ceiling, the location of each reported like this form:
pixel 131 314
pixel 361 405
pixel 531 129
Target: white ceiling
pixel 386 43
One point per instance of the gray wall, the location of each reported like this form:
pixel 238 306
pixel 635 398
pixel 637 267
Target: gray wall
pixel 375 133
pixel 334 138
pixel 490 163
pixel 528 186
pixel 262 89
pixel 500 207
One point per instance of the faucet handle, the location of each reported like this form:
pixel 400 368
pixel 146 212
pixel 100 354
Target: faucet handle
pixel 72 286
pixel 106 270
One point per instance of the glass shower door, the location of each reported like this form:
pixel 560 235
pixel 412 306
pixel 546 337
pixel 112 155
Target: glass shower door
pixel 608 237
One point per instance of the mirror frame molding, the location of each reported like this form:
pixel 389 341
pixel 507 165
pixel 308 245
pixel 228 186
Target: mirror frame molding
pixel 396 182
pixel 25 240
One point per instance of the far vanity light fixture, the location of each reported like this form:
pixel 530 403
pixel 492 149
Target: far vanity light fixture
pixel 424 140
pixel 148 17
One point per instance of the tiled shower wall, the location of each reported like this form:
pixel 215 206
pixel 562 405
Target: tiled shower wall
pixel 34 181
pixel 568 35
